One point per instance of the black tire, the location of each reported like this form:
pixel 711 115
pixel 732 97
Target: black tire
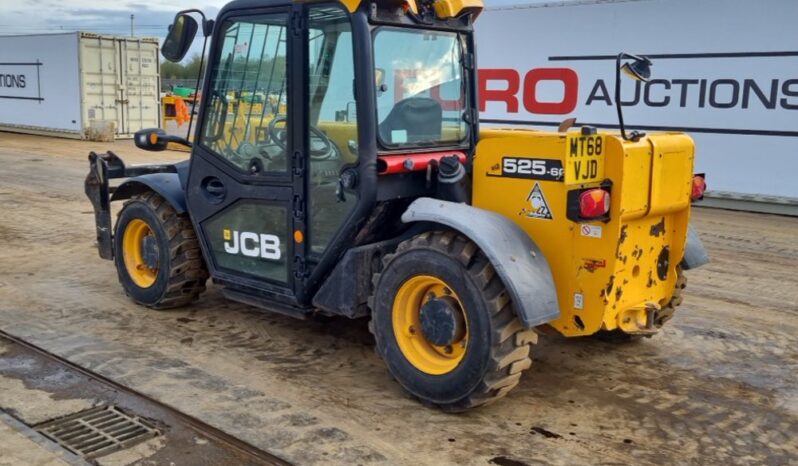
pixel 665 314
pixel 181 272
pixel 498 346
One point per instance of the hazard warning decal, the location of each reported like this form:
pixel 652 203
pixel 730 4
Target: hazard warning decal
pixel 538 206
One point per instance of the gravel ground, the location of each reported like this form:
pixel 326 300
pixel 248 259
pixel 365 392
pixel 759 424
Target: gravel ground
pixel 719 385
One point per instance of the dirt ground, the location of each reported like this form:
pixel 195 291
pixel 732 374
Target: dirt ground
pixel 718 386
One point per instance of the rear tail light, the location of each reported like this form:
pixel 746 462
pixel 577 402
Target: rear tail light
pixel 594 203
pixel 699 187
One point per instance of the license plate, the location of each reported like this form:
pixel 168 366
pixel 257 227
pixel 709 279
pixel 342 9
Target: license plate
pixel 584 161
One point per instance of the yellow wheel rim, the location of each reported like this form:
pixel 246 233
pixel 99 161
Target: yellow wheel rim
pixel 423 355
pixel 132 253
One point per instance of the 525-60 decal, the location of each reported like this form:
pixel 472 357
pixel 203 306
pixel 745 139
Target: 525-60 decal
pixel 532 169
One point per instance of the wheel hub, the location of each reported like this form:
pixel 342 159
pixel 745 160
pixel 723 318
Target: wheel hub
pixel 149 251
pixel 140 253
pixel 442 321
pixel 430 324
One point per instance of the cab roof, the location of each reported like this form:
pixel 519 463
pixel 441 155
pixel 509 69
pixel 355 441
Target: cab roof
pixel 444 9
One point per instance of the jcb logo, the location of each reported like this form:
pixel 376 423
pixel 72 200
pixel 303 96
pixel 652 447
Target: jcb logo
pixel 252 244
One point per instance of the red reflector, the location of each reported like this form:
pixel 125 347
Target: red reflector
pixel 594 203
pixel 699 187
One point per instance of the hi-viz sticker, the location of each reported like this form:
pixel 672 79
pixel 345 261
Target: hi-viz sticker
pixel 539 207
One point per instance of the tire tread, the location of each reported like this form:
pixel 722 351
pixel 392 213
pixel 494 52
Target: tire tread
pixel 187 272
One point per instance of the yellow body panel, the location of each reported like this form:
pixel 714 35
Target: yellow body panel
pixel 351 5
pixel 443 8
pixel 454 8
pixel 606 273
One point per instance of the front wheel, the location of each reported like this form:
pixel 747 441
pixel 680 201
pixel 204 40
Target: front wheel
pixel 157 254
pixel 444 324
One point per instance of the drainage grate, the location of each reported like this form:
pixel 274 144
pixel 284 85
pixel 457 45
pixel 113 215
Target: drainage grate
pixel 98 431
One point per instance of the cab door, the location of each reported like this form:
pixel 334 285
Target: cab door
pixel 279 126
pixel 244 190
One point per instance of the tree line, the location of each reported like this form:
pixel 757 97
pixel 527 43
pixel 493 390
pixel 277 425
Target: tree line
pixel 264 74
pixel 187 69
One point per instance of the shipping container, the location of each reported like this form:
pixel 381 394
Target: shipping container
pixel 724 71
pixel 79 85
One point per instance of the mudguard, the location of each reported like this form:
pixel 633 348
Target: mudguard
pixel 166 184
pixel 167 180
pixel 695 255
pixel 515 256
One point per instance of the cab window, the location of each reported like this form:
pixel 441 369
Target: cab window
pixel 421 83
pixel 246 118
pixel 332 119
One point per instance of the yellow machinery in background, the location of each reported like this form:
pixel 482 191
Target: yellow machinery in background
pixel 175 110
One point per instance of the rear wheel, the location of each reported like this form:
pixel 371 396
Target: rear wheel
pixel 444 324
pixel 157 254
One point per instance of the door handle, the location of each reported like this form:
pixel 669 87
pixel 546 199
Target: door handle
pixel 214 190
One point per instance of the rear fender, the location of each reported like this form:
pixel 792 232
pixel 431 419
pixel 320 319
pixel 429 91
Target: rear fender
pixel 519 262
pixel 695 255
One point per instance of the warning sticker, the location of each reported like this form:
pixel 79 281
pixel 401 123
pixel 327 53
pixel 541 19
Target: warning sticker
pixel 591 231
pixel 539 207
pixel 579 301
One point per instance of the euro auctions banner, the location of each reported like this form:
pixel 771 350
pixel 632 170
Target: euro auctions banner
pixel 725 71
pixel 699 91
pixel 20 81
pixel 40 82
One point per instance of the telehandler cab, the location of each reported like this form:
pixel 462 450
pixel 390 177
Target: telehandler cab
pixel 338 168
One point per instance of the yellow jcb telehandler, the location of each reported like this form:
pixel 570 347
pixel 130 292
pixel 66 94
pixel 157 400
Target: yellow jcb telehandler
pixel 338 168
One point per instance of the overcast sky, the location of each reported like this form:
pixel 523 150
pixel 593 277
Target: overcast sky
pixel 111 17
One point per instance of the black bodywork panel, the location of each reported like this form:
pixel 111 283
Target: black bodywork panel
pixel 347 289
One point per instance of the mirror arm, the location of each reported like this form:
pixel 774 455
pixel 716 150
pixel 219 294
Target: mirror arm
pixel 618 94
pixel 207 25
pixel 199 81
pixel 175 139
pixel 634 136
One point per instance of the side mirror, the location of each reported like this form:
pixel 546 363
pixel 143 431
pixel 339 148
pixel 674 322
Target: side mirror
pixel 639 70
pixel 156 140
pixel 181 35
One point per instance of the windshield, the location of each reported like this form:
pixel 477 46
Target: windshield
pixel 421 98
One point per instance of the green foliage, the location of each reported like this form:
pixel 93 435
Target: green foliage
pixel 266 74
pixel 187 69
